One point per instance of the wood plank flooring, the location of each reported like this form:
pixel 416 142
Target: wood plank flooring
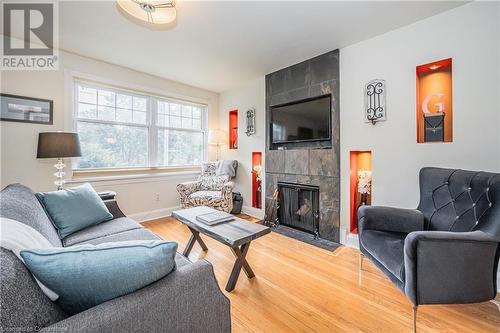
pixel 301 288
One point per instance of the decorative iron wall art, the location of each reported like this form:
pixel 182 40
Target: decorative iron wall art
pixel 375 109
pixel 250 122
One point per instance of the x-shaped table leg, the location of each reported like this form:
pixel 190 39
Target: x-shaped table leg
pixel 241 262
pixel 195 237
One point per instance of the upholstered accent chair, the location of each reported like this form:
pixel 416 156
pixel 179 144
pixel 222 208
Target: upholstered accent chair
pixel 446 251
pixel 213 188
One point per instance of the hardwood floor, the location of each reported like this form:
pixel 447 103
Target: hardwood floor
pixel 301 288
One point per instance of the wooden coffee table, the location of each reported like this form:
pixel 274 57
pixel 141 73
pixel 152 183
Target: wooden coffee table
pixel 237 234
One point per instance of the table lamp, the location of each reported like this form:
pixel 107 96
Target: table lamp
pixel 217 138
pixel 58 145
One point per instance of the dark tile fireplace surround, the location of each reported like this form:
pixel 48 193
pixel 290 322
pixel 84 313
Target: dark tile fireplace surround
pixel 306 165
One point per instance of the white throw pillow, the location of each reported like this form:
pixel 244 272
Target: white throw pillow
pixel 16 236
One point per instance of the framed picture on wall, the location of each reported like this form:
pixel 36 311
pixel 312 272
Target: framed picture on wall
pixel 26 109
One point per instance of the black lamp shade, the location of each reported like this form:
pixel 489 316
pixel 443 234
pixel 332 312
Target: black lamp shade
pixel 58 145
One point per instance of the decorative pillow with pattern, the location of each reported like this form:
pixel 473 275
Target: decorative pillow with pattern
pixel 213 183
pixel 208 168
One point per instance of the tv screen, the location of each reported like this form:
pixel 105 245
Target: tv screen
pixel 307 120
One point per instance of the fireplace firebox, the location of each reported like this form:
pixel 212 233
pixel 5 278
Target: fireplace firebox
pixel 299 207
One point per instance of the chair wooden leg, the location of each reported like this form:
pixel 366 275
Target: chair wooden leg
pixel 415 307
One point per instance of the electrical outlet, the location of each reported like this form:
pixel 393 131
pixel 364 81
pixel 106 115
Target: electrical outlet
pixel 157 197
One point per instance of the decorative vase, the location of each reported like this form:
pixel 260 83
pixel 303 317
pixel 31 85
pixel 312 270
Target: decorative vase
pixel 364 197
pixel 258 196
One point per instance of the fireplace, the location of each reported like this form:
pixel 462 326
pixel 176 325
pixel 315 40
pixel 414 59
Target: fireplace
pixel 299 207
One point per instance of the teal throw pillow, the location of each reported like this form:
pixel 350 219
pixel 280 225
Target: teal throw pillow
pixel 86 275
pixel 74 209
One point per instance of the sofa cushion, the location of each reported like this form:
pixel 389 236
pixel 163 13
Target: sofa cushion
pixel 101 230
pixel 135 234
pixel 23 303
pixel 206 195
pixel 387 248
pixel 87 275
pixel 18 202
pixel 74 209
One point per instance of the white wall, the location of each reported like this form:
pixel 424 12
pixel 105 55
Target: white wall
pixel 470 35
pixel 250 95
pixel 18 141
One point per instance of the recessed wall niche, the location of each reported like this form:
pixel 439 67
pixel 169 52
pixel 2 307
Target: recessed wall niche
pixel 435 102
pixel 360 179
pixel 257 179
pixel 233 129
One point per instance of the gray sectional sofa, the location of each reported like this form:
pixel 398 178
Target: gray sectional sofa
pixel 187 300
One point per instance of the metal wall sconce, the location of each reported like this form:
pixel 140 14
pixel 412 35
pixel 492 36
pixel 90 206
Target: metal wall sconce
pixel 375 108
pixel 250 122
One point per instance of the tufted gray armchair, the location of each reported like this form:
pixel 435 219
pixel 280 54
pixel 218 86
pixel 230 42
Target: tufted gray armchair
pixel 446 251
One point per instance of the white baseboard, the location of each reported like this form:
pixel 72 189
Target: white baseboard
pixel 255 212
pixel 153 214
pixel 352 241
pixel 164 212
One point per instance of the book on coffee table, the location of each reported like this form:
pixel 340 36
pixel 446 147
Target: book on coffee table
pixel 214 218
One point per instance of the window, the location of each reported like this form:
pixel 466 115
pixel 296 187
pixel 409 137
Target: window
pixel 122 129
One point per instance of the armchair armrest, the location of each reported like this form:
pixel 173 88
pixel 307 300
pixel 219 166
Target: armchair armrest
pixel 227 196
pixel 227 190
pixel 186 300
pixel 187 188
pixel 389 219
pixel 450 267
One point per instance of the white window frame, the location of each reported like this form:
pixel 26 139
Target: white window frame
pixel 151 124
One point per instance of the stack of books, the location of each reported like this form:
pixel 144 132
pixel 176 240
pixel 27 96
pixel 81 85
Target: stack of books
pixel 214 218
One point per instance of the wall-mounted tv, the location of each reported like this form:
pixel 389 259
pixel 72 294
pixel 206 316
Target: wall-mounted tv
pixel 304 120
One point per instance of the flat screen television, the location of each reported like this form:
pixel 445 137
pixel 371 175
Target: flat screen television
pixel 299 121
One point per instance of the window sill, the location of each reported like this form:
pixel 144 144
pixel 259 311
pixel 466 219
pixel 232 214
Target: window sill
pixel 131 175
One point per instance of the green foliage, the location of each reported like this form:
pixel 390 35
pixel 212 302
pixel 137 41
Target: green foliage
pixel 179 148
pixel 106 146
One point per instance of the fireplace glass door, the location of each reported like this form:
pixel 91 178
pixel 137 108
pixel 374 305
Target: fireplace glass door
pixel 299 207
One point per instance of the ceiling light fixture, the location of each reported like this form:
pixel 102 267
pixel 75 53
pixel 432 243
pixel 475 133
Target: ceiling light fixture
pixel 152 14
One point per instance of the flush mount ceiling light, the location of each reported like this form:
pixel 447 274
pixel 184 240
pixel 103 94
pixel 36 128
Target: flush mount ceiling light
pixel 152 14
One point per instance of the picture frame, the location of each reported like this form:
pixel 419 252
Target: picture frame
pixel 26 109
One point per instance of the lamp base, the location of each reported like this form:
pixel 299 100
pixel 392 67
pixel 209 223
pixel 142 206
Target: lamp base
pixel 59 174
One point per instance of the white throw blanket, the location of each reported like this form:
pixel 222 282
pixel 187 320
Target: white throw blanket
pixel 16 236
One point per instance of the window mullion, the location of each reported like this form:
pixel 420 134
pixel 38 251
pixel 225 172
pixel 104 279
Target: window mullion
pixel 204 126
pixel 153 132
